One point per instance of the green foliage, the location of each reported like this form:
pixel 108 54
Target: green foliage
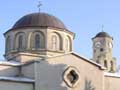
pixel 88 85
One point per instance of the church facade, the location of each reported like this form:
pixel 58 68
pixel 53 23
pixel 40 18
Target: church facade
pixel 39 56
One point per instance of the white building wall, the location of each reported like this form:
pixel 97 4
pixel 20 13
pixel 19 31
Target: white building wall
pixel 50 74
pixel 8 85
pixel 28 70
pixel 6 70
pixel 112 83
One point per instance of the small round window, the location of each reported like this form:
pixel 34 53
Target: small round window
pixel 71 76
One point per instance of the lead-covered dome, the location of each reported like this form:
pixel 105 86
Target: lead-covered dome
pixel 102 34
pixel 39 20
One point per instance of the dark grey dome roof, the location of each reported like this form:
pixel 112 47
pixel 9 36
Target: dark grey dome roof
pixel 102 34
pixel 39 20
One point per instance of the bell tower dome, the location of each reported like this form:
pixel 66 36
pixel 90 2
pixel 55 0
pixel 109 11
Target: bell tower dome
pixel 102 51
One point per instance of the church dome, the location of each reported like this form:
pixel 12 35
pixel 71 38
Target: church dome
pixel 39 20
pixel 102 34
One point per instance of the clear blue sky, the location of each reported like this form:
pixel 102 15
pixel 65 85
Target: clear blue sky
pixel 83 17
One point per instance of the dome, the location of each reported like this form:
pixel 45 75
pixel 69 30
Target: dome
pixel 102 34
pixel 39 20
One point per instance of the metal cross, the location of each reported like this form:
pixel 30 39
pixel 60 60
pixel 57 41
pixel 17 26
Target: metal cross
pixel 102 28
pixel 39 5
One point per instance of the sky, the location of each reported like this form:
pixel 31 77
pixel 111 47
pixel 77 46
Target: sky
pixel 83 17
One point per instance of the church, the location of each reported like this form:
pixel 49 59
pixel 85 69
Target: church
pixel 39 56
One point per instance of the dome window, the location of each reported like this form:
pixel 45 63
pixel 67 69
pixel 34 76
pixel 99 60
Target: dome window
pixel 67 44
pixel 54 42
pixel 20 42
pixel 8 44
pixel 37 41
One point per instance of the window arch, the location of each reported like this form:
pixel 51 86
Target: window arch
pixel 20 42
pixel 54 42
pixel 37 41
pixel 8 44
pixel 68 44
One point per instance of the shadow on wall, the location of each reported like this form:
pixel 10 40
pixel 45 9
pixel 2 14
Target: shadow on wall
pixel 88 85
pixel 50 76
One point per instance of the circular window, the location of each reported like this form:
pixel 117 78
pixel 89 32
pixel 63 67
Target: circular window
pixel 71 76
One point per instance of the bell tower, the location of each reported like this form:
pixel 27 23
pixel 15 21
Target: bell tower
pixel 102 51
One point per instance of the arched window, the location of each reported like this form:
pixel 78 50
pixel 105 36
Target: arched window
pixel 67 44
pixel 8 44
pixel 37 41
pixel 20 42
pixel 54 42
pixel 111 65
pixel 105 63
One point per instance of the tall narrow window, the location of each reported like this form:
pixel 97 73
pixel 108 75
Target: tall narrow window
pixel 8 44
pixel 20 42
pixel 37 41
pixel 54 42
pixel 111 65
pixel 70 43
pixel 67 44
pixel 105 63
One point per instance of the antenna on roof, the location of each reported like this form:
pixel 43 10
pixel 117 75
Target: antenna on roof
pixel 39 6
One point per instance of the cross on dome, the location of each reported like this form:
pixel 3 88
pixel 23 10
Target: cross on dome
pixel 102 28
pixel 39 5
